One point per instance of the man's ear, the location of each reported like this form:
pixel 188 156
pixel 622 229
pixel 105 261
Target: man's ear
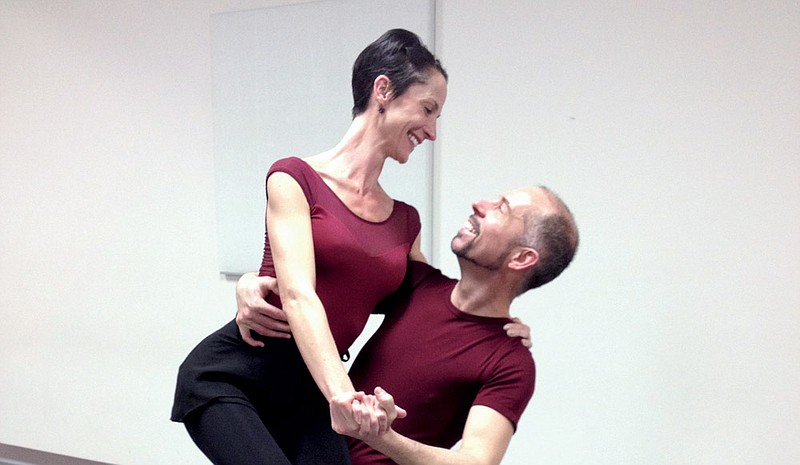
pixel 524 258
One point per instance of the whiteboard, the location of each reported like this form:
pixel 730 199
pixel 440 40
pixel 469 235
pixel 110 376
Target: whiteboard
pixel 281 87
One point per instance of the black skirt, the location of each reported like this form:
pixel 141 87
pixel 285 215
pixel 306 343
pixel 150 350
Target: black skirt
pixel 223 368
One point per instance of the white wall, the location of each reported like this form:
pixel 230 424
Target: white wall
pixel 672 132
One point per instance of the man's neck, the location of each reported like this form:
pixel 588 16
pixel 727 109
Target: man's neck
pixel 482 294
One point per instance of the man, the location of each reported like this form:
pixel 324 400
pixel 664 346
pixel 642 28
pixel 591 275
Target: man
pixel 442 351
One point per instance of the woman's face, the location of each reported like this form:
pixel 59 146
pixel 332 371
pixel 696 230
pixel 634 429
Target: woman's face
pixel 411 118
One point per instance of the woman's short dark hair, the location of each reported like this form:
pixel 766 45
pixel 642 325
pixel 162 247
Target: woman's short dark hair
pixel 400 55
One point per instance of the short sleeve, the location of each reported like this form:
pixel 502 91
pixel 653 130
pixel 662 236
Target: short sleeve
pixel 300 171
pixel 511 384
pixel 414 224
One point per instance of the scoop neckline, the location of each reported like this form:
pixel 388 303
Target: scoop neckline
pixel 341 202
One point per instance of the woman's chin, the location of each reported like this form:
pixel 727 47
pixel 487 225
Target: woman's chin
pixel 401 158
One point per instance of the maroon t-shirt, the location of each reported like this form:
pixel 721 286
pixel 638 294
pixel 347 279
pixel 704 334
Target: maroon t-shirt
pixel 438 362
pixel 358 262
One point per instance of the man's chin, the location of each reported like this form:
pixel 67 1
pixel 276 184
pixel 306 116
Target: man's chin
pixel 460 250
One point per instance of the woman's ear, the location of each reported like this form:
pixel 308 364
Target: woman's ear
pixel 382 87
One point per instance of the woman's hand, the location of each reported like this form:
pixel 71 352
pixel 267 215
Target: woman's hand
pixel 254 313
pixel 364 416
pixel 521 330
pixel 343 416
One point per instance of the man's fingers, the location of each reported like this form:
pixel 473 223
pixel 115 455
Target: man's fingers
pixel 263 326
pixel 385 399
pixel 276 334
pixel 248 338
pixel 275 313
pixel 386 402
pixel 383 421
pixel 519 329
pixel 374 420
pixel 272 331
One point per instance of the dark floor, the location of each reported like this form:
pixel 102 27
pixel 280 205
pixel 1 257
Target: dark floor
pixel 14 455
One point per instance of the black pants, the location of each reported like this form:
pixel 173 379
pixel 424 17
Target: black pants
pixel 234 434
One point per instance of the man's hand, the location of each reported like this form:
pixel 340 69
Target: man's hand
pixel 386 402
pixel 254 313
pixel 520 330
pixel 364 416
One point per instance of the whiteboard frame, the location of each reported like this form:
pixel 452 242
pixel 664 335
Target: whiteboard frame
pixel 281 87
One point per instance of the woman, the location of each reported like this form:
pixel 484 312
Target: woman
pixel 337 244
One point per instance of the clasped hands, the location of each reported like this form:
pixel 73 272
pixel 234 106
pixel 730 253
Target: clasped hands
pixel 355 414
pixel 364 416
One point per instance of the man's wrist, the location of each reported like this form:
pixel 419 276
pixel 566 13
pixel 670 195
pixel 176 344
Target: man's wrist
pixel 385 442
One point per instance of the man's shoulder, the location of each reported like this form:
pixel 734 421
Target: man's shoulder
pixel 512 355
pixel 421 272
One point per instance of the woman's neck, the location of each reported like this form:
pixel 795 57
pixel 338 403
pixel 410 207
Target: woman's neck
pixel 356 161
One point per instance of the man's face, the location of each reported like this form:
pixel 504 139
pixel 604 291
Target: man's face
pixel 495 228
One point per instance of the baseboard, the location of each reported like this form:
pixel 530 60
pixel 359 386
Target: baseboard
pixel 15 455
